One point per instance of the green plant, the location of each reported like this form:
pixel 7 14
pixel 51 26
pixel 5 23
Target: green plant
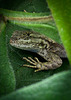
pixel 52 84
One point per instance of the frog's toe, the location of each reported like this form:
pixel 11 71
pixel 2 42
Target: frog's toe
pixel 36 59
pixel 30 60
pixel 37 70
pixel 29 66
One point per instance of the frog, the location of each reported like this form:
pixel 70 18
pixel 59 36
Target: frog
pixel 44 46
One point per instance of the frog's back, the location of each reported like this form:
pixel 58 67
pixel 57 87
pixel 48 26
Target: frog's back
pixel 36 42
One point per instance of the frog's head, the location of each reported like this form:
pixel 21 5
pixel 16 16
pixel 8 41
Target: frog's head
pixel 27 40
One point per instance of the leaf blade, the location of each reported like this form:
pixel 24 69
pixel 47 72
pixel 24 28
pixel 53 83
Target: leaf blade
pixel 7 78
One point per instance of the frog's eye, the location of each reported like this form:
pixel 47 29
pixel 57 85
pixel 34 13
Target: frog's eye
pixel 28 34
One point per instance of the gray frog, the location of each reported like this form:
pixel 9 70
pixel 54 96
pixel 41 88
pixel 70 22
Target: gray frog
pixel 42 45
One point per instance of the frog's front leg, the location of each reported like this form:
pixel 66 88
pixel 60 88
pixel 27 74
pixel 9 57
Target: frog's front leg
pixel 53 64
pixel 35 63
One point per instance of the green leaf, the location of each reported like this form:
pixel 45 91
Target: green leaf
pixel 28 5
pixel 7 78
pixel 56 87
pixel 28 19
pixel 61 11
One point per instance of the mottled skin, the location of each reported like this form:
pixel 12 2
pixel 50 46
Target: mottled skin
pixel 42 45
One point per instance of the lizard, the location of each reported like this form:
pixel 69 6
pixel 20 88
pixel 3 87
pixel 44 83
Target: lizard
pixel 44 46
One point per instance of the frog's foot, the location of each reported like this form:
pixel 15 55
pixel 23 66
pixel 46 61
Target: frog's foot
pixel 35 63
pixel 31 61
